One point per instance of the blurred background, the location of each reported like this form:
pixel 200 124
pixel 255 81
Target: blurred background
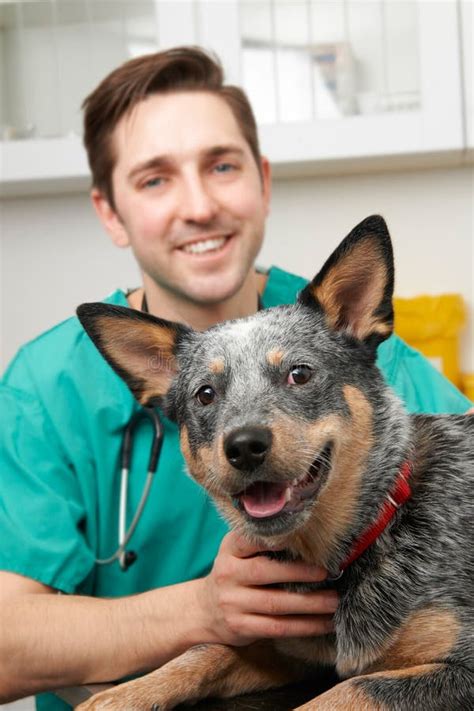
pixel 364 106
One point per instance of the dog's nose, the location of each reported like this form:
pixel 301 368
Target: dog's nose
pixel 247 447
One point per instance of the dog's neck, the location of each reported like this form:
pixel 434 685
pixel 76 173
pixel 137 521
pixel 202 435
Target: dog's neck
pixel 399 494
pixel 301 548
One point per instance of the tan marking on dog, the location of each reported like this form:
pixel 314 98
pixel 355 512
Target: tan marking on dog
pixel 275 357
pixel 333 513
pixel 318 652
pixel 185 448
pixel 350 696
pixel 203 469
pixel 345 696
pixel 211 469
pixel 428 635
pixel 419 670
pixel 202 671
pixel 217 366
pixel 145 351
pixel 200 463
pixel 368 264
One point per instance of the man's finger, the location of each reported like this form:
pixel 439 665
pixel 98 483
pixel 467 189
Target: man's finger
pixel 282 602
pixel 260 570
pixel 262 626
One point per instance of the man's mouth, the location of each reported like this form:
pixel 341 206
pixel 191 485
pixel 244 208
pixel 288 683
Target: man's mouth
pixel 264 499
pixel 205 246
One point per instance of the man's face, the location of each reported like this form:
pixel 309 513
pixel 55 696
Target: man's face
pixel 189 198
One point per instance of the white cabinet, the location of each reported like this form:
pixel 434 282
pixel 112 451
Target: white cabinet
pixel 402 98
pixel 340 85
pixel 467 41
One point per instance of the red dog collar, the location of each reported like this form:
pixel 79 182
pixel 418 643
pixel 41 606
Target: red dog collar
pixel 397 496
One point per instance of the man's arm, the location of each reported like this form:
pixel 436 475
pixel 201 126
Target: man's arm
pixel 48 641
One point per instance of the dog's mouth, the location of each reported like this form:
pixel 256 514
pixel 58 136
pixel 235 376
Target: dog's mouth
pixel 265 499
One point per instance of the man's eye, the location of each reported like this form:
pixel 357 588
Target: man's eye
pixel 154 182
pixel 299 375
pixel 205 395
pixel 224 168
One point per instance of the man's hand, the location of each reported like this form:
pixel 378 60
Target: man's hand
pixel 238 607
pixel 64 640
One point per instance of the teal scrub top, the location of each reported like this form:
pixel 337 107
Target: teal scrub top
pixel 63 412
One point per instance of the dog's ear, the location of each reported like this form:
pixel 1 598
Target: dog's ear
pixel 354 288
pixel 140 347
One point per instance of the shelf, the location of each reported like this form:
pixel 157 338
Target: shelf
pixel 43 166
pixel 59 165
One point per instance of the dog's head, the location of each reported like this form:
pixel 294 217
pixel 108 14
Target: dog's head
pixel 274 410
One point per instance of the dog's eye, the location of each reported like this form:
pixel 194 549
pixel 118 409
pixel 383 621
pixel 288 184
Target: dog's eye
pixel 205 395
pixel 299 375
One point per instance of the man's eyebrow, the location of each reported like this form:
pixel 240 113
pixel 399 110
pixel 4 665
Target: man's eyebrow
pixel 217 151
pixel 165 161
pixel 155 163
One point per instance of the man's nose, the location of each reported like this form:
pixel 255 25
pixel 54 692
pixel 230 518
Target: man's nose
pixel 197 203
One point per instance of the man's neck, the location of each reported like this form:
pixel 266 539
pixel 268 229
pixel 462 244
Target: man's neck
pixel 169 306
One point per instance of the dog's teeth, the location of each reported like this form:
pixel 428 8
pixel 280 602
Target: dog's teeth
pixel 288 493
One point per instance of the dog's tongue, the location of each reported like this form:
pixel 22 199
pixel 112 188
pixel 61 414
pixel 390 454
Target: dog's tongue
pixel 264 499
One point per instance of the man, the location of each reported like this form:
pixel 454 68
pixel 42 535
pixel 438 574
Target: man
pixel 178 177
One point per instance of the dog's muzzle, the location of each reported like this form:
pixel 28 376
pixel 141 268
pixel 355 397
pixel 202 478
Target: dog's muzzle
pixel 266 493
pixel 247 447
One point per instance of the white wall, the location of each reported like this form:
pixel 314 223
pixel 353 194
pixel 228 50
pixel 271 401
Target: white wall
pixel 22 705
pixel 430 216
pixel 55 255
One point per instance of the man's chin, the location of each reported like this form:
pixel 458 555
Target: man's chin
pixel 209 295
pixel 216 287
pixel 229 284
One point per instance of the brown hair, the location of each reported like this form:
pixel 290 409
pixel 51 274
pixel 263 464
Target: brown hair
pixel 173 70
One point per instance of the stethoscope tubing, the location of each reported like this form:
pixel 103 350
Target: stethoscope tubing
pixel 124 534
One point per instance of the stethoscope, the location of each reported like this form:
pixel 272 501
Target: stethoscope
pixel 127 557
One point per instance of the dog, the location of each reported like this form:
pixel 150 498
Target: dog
pixel 285 420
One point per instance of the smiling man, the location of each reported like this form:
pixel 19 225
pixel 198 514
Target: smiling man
pixel 191 201
pixel 178 177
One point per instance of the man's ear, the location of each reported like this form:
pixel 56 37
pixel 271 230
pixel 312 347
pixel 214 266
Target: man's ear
pixel 109 218
pixel 354 288
pixel 140 347
pixel 266 173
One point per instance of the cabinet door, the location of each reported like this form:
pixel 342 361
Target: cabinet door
pixel 353 79
pixel 212 24
pixel 335 83
pixel 467 40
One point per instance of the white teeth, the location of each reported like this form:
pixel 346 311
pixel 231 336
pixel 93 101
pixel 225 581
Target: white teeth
pixel 206 245
pixel 288 492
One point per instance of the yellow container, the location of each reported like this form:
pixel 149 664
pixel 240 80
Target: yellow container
pixel 468 385
pixel 432 324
